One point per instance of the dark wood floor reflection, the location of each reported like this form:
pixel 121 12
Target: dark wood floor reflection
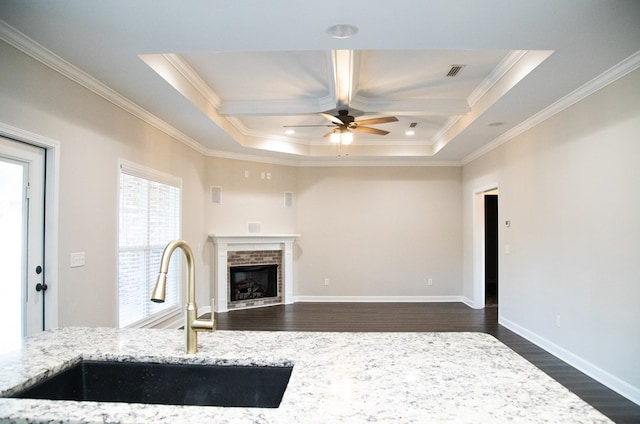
pixel 402 317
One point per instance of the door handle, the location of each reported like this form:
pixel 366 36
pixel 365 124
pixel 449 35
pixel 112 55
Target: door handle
pixel 41 287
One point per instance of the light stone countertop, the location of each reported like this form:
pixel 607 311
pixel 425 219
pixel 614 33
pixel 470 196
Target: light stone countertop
pixel 337 378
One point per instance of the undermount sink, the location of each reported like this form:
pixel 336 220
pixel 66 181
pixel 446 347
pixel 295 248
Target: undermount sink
pixel 169 384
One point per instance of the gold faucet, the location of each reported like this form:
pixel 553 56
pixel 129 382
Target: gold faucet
pixel 192 324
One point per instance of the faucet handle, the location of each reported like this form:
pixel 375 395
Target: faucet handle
pixel 205 324
pixel 213 318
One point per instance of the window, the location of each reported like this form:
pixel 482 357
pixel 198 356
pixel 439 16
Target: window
pixel 149 219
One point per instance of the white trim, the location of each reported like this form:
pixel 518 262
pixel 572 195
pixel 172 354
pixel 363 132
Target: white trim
pixel 157 320
pixel 359 162
pixel 614 383
pixel 470 303
pixel 141 171
pixel 509 61
pixel 52 190
pixel 172 319
pixel 614 73
pixel 379 299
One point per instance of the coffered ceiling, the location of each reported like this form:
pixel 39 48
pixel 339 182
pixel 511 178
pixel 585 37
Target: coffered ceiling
pixel 235 78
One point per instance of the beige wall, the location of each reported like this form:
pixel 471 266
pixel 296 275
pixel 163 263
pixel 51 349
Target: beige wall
pixel 93 135
pixel 571 189
pixel 250 198
pixel 373 232
pixel 379 231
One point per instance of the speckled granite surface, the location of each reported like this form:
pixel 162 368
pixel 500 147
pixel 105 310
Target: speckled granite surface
pixel 337 378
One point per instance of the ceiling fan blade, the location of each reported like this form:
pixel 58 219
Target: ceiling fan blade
pixel 370 130
pixel 332 118
pixel 301 126
pixel 329 133
pixel 374 121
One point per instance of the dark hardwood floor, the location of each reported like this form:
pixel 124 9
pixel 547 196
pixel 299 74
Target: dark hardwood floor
pixel 427 317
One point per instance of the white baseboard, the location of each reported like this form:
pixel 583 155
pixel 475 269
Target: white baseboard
pixel 470 303
pixel 381 299
pixel 614 383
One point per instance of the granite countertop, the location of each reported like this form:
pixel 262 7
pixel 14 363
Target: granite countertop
pixel 337 378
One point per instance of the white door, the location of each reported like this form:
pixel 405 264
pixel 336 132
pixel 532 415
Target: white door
pixel 22 286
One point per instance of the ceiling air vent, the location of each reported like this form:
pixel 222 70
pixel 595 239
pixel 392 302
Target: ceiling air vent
pixel 455 70
pixel 413 125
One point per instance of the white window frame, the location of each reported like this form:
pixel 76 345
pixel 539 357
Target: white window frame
pixel 150 174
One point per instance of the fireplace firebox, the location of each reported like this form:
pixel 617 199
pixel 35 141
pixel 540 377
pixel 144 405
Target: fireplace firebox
pixel 253 282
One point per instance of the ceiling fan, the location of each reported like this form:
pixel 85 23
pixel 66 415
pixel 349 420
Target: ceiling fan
pixel 345 124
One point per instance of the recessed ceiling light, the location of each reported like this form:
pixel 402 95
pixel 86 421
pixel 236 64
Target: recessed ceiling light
pixel 342 31
pixel 409 132
pixel 289 132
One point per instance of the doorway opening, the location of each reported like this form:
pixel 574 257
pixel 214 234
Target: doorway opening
pixel 491 249
pixel 485 247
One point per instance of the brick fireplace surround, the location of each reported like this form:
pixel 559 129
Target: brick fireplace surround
pixel 252 249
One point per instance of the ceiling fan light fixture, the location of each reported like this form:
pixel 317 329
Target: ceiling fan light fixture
pixel 342 31
pixel 346 137
pixel 341 136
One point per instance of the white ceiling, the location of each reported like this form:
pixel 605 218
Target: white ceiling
pixel 227 77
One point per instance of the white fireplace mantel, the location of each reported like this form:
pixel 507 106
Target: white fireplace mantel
pixel 225 243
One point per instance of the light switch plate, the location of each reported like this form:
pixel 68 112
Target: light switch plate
pixel 77 259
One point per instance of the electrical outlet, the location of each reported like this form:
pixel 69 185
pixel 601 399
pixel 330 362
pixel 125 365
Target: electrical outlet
pixel 326 281
pixel 557 320
pixel 430 282
pixel 76 259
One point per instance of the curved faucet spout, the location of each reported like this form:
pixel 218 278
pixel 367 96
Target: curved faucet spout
pixel 192 323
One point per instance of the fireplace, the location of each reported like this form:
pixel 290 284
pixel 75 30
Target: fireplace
pixel 254 278
pixel 252 250
pixel 253 282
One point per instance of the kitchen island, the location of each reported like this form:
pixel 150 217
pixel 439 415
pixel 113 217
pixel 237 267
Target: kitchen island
pixel 336 378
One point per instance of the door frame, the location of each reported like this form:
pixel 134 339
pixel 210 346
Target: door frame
pixel 478 299
pixel 52 178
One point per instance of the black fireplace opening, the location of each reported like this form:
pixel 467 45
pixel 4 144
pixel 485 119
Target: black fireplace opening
pixel 253 282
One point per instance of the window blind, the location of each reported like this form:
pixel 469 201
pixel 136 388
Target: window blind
pixel 149 219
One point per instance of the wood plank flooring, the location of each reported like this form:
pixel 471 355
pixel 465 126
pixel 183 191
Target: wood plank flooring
pixel 427 317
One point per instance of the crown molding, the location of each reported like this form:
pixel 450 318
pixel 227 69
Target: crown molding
pixel 508 62
pixel 333 162
pixel 614 73
pixel 194 79
pixel 345 162
pixel 38 52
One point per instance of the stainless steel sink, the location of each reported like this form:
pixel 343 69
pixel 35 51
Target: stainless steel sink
pixel 170 384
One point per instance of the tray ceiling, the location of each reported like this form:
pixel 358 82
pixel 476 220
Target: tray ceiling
pixel 231 78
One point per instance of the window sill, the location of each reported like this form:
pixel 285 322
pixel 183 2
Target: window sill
pixel 169 319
